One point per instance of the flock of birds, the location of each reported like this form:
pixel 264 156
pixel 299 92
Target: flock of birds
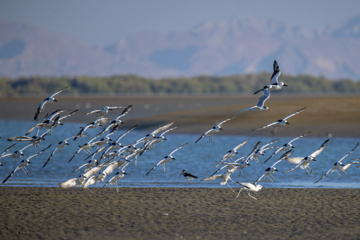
pixel 109 161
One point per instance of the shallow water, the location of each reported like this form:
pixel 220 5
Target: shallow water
pixel 198 159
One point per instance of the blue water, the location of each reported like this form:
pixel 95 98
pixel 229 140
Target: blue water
pixel 198 159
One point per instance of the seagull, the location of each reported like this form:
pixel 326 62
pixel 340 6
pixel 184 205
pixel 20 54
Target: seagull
pixel 287 146
pixel 281 122
pixel 115 124
pixel 49 99
pixel 303 162
pixel 48 122
pixel 166 159
pixel 187 175
pixel 115 179
pixel 270 170
pixel 274 84
pixel 338 165
pixel 213 130
pixel 260 105
pixel 231 153
pixel 101 112
pixel 24 163
pixel 249 187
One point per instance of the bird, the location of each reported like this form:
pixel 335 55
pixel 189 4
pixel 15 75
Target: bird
pixel 49 99
pixel 281 122
pixel 249 187
pixel 303 162
pixel 154 134
pixel 101 112
pixel 338 165
pixel 116 122
pixel 287 146
pixel 115 179
pixel 213 130
pixel 47 123
pixel 224 177
pixel 274 84
pixel 232 152
pixel 347 166
pixel 166 159
pixel 97 123
pixel 271 170
pixel 23 164
pixel 261 151
pixel 187 175
pixel 73 182
pixel 260 105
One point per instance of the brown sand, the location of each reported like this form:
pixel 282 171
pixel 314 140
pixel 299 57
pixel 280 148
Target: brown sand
pixel 178 213
pixel 338 115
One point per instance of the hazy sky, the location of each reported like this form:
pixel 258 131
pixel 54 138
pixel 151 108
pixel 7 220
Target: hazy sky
pixel 102 23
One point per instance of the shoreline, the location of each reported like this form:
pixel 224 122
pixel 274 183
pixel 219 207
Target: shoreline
pixel 172 213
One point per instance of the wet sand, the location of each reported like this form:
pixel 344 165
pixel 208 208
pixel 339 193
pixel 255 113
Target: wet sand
pixel 337 115
pixel 178 213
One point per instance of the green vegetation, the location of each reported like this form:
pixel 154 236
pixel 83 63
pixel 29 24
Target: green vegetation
pixel 132 84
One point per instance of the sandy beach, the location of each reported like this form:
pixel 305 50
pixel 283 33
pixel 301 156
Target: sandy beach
pixel 178 213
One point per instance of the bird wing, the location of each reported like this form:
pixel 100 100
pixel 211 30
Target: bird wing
pixel 294 139
pixel 320 149
pixel 1 155
pixel 324 175
pixel 222 122
pixel 346 167
pixel 162 128
pixel 348 153
pixel 285 155
pixel 213 177
pixel 241 144
pixel 266 126
pixel 160 162
pixel 246 109
pixel 264 97
pixel 126 110
pixel 125 133
pixel 293 114
pixel 269 143
pixel 52 95
pixel 69 183
pixel 39 152
pixel 12 173
pixel 41 106
pixel 206 133
pixel 294 160
pixel 276 73
pixel 177 149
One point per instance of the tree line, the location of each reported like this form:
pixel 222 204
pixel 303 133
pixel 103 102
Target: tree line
pixel 133 84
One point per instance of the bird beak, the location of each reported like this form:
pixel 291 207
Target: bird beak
pixel 285 85
pixel 269 109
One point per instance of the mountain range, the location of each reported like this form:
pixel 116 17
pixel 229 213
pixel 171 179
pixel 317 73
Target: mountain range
pixel 237 46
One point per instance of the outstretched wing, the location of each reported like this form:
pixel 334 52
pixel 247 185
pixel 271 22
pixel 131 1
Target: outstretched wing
pixel 320 149
pixel 177 149
pixel 293 114
pixel 264 97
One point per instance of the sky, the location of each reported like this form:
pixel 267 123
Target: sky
pixel 102 23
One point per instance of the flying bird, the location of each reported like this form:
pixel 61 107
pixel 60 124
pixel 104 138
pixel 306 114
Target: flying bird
pixel 260 105
pixel 337 165
pixel 166 159
pixel 214 129
pixel 281 122
pixel 49 99
pixel 274 84
pixel 249 187
pixel 187 175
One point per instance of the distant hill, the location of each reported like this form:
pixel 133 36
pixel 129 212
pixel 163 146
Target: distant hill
pixel 239 46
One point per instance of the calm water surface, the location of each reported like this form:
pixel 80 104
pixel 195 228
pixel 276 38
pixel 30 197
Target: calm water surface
pixel 198 159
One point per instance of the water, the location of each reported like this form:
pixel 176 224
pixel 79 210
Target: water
pixel 198 159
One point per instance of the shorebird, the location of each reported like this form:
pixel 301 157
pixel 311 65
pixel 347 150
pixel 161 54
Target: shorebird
pixel 154 134
pixel 261 151
pixel 101 112
pixel 187 175
pixel 260 105
pixel 214 129
pixel 346 167
pixel 115 179
pixel 116 122
pixel 232 152
pixel 274 84
pixel 271 170
pixel 249 187
pixel 48 122
pixel 303 162
pixel 73 182
pixel 281 122
pixel 338 165
pixel 49 99
pixel 97 123
pixel 224 177
pixel 286 146
pixel 166 159
pixel 24 163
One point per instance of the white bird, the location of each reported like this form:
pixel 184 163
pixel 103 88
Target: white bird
pixel 49 99
pixel 97 123
pixel 287 146
pixel 154 134
pixel 101 112
pixel 116 122
pixel 232 152
pixel 303 162
pixel 261 151
pixel 214 129
pixel 260 105
pixel 338 165
pixel 166 159
pixel 274 84
pixel 73 182
pixel 224 178
pixel 346 167
pixel 24 163
pixel 115 179
pixel 48 122
pixel 271 170
pixel 249 187
pixel 280 123
pixel 187 175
